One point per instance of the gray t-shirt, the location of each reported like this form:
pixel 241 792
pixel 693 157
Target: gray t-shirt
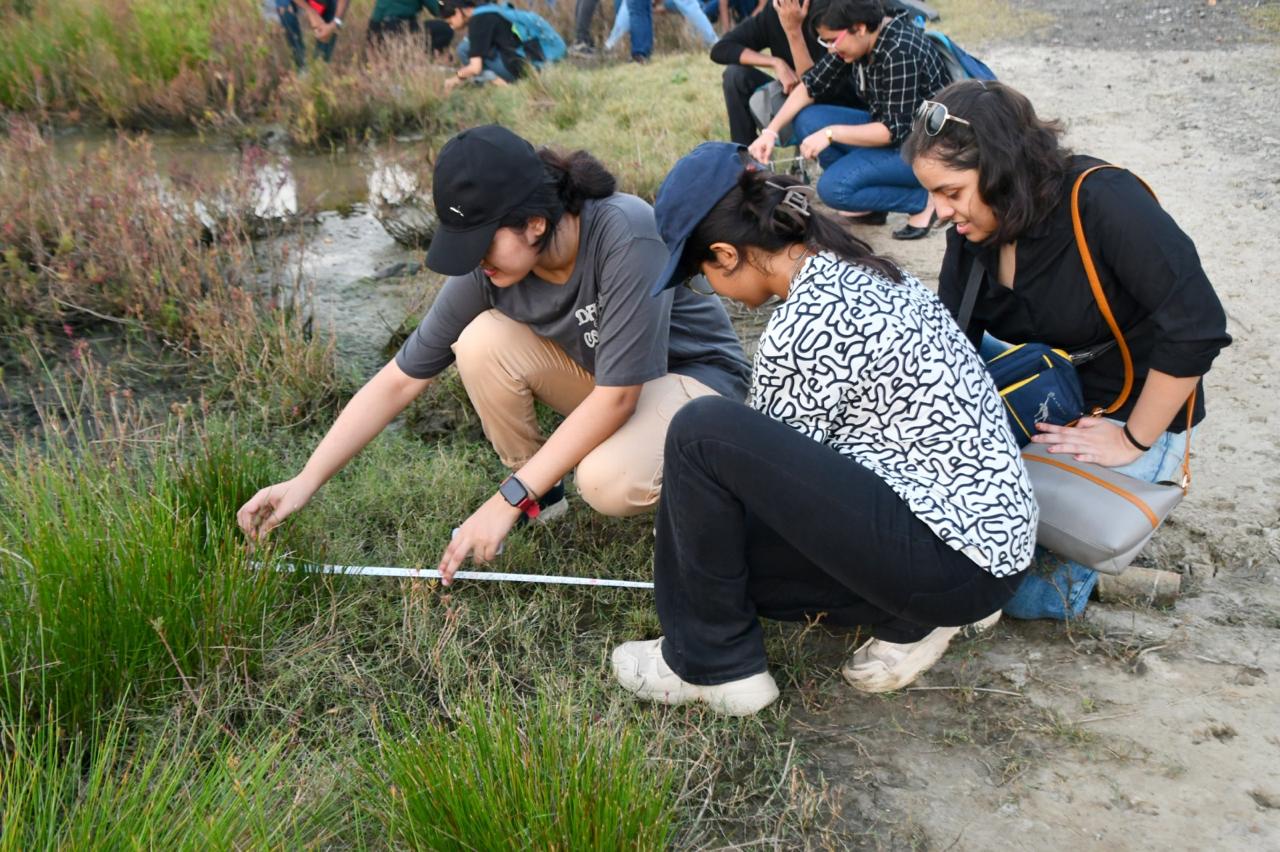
pixel 603 316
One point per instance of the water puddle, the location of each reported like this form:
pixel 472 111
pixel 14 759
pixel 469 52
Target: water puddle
pixel 345 252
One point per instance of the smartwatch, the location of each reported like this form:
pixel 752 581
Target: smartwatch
pixel 337 22
pixel 515 493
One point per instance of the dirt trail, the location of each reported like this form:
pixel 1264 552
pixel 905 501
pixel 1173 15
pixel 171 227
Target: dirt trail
pixel 1134 729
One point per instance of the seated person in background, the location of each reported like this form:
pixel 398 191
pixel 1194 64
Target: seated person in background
pixel 890 62
pixel 491 52
pixel 1000 175
pixel 781 29
pixel 870 476
pixel 323 16
pixel 393 17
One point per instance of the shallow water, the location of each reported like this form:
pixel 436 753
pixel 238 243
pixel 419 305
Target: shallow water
pixel 341 251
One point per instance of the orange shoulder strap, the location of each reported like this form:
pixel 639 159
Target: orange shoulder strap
pixel 1086 258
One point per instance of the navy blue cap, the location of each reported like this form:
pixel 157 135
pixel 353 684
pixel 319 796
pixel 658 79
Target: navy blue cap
pixel 690 190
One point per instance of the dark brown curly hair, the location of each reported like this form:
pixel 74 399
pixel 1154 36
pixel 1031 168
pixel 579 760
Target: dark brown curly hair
pixel 1019 156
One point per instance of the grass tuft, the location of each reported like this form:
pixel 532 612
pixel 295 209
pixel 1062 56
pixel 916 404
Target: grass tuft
pixel 506 777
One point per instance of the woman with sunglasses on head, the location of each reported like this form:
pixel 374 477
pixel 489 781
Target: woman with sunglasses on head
pixel 892 66
pixel 548 299
pixel 1002 178
pixel 871 476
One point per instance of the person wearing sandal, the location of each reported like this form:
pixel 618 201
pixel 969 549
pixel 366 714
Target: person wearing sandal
pixel 1000 176
pixel 870 477
pixel 892 66
pixel 547 299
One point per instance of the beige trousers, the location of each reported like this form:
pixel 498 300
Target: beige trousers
pixel 505 366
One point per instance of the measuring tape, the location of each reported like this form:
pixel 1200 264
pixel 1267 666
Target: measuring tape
pixel 434 574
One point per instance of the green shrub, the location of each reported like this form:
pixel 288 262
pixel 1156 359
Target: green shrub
pixel 506 777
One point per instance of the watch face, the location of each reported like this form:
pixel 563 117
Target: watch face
pixel 513 491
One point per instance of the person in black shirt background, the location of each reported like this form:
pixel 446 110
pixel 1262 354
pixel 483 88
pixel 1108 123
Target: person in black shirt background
pixel 781 29
pixel 1001 176
pixel 491 52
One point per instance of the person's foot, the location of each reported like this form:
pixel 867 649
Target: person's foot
pixel 640 58
pixel 880 666
pixel 582 50
pixel 918 225
pixel 641 670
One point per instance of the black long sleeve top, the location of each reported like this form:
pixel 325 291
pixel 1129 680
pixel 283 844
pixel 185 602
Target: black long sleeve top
pixel 1150 272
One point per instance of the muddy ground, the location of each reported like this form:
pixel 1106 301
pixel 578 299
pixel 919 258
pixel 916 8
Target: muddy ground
pixel 1134 728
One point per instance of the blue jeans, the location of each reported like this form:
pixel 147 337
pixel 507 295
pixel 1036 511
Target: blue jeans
pixel 1058 588
pixel 493 66
pixel 691 9
pixel 293 35
pixel 856 178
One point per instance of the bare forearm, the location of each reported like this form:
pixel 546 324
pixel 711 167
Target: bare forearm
pixel 363 418
pixel 800 57
pixel 473 67
pixel 756 59
pixel 1163 397
pixel 596 418
pixel 873 135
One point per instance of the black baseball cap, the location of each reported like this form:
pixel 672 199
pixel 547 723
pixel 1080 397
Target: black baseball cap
pixel 692 188
pixel 481 175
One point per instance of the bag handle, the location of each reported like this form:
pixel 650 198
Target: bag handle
pixel 1086 258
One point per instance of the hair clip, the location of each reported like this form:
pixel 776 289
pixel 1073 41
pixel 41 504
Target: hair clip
pixel 796 198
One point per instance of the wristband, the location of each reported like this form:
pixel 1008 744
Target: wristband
pixel 770 130
pixel 337 22
pixel 1132 440
pixel 830 134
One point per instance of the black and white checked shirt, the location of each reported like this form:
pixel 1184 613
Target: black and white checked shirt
pixel 902 69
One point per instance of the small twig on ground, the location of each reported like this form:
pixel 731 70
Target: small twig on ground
pixel 966 688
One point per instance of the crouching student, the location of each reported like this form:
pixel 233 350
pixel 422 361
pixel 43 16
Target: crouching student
pixel 871 475
pixel 548 300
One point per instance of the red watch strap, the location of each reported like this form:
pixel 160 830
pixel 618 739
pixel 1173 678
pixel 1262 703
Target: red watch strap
pixel 530 507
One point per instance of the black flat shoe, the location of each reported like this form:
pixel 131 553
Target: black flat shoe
pixel 916 232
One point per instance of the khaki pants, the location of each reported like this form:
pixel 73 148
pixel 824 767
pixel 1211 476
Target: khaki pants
pixel 505 366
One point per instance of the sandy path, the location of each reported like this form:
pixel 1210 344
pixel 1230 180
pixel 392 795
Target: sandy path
pixel 1136 729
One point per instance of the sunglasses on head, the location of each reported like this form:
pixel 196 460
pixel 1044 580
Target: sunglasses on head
pixel 933 116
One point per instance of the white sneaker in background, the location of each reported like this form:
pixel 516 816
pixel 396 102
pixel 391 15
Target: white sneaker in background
pixel 641 670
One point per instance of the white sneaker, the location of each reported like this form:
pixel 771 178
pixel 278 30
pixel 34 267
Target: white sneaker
pixel 880 666
pixel 640 668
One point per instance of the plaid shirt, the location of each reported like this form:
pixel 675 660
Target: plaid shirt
pixel 902 69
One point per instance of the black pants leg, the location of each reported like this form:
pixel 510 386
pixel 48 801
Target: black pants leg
pixel 739 82
pixel 583 12
pixel 758 520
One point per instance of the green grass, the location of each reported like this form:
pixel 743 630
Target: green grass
pixel 178 789
pixel 123 575
pixel 541 778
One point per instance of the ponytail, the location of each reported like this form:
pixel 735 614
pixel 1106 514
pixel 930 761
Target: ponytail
pixel 570 181
pixel 769 212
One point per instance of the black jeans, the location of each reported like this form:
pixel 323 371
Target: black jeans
pixel 739 82
pixel 758 520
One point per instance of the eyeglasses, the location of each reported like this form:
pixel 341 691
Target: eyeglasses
pixel 934 116
pixel 831 45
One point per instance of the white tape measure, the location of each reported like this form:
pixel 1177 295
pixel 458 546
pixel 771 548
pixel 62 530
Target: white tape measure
pixel 434 574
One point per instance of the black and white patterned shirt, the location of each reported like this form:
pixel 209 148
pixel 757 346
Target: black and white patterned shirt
pixel 902 69
pixel 880 372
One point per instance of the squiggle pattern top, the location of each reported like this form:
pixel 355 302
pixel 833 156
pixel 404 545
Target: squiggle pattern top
pixel 881 373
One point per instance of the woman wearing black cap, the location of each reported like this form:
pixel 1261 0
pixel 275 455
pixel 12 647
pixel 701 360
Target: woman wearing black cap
pixel 871 477
pixel 548 299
